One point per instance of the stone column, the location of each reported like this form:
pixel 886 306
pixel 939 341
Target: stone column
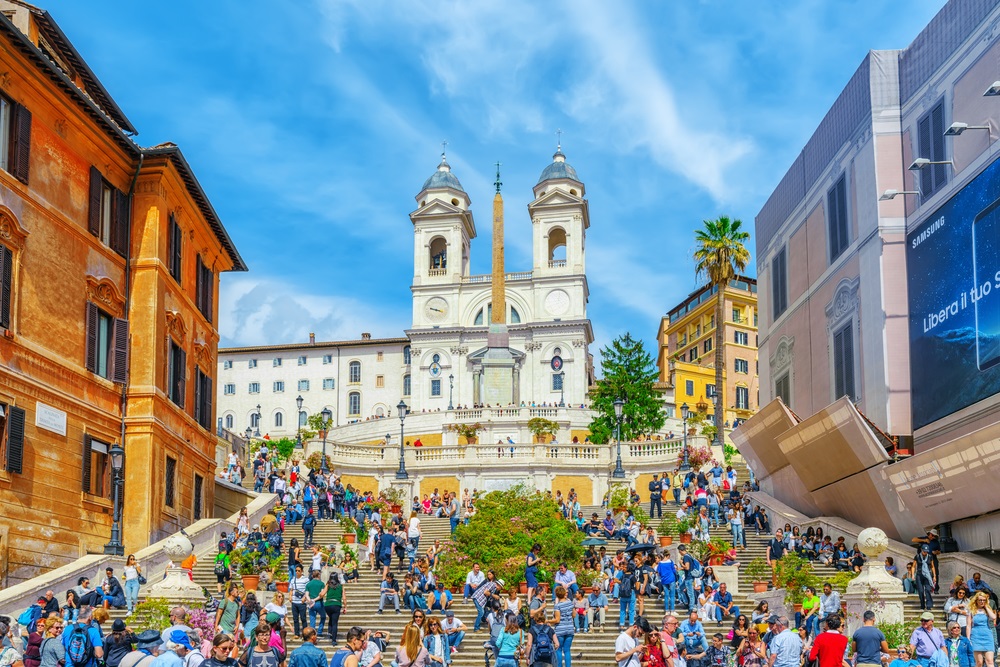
pixel 517 385
pixel 874 589
pixel 475 386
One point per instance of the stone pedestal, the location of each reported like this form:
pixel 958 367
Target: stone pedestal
pixel 874 589
pixel 775 603
pixel 498 368
pixel 177 588
pixel 730 576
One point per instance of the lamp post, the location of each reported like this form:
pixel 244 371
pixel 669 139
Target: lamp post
pixel 562 389
pixel 451 391
pixel 326 415
pixel 256 432
pixel 298 420
pixel 401 473
pixel 619 472
pixel 685 411
pixel 115 546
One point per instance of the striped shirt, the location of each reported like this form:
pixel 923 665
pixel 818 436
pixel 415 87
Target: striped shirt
pixel 566 611
pixel 479 597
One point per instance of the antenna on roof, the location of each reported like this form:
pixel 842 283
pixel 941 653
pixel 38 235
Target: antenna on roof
pixel 498 183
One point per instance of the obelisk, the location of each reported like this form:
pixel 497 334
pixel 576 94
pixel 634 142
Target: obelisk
pixel 498 363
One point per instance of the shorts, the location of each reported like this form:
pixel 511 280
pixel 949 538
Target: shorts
pixel 223 578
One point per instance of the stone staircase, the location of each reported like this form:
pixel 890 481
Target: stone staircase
pixel 594 648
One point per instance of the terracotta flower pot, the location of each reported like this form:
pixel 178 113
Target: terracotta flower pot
pixel 251 581
pixel 716 560
pixel 760 587
pixel 523 587
pixel 282 586
pixel 666 540
pixel 686 538
pixel 350 537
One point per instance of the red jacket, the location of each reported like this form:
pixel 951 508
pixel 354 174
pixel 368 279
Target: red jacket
pixel 829 647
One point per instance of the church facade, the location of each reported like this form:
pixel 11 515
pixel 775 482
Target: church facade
pixel 439 361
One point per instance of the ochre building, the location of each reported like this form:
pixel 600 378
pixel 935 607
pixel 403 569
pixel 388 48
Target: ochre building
pixel 109 260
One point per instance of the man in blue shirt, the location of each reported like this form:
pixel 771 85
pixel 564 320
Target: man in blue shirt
pixel 93 632
pixel 724 607
pixel 786 647
pixel 308 655
pixel 442 598
pixel 597 607
pixel 693 633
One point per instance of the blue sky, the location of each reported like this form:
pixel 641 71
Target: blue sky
pixel 313 124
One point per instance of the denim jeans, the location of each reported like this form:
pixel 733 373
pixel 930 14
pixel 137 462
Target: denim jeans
pixel 713 511
pixel 454 523
pixel 739 537
pixel 131 593
pixel 299 617
pixel 456 638
pixel 505 662
pixel 689 590
pixel 677 496
pixel 317 610
pixel 480 613
pixel 580 621
pixel 669 596
pixel 735 611
pixel 563 655
pixel 626 611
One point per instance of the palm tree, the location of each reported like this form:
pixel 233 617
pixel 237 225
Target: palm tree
pixel 720 255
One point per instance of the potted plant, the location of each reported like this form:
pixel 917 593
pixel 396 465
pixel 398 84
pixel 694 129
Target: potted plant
pixel 395 497
pixel 280 575
pixel 684 529
pixel 717 549
pixel 666 529
pixel 246 567
pixel 350 528
pixel 619 498
pixel 794 573
pixel 758 572
pixel 467 431
pixel 542 428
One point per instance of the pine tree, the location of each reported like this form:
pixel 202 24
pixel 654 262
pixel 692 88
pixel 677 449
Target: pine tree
pixel 628 373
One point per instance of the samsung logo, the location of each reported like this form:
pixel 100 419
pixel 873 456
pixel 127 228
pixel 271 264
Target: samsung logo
pixel 926 234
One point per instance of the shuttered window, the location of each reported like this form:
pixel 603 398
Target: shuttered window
pixel 170 482
pixel 6 285
pixel 109 214
pixel 203 399
pixel 15 139
pixel 199 489
pixel 176 374
pixel 96 469
pixel 779 284
pixel 205 286
pixel 836 218
pixel 174 249
pixel 742 398
pixel 930 145
pixel 782 389
pixel 107 345
pixel 12 438
pixel 843 362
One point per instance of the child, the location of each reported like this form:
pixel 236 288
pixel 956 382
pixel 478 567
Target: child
pixel 580 607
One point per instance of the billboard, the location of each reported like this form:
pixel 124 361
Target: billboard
pixel 953 267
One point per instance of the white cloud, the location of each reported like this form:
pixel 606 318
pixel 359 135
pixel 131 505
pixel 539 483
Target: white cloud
pixel 263 310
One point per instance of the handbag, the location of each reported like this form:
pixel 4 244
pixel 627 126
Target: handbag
pixel 142 579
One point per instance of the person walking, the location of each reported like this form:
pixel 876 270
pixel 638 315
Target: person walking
pixel 300 612
pixel 925 577
pixel 655 498
pixel 308 654
pixel 786 646
pixel 334 604
pixel 868 642
pixel 982 620
pixel 925 639
pixel 562 621
pixel 828 647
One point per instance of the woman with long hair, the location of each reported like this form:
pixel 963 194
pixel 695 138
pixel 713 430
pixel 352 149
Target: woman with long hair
pixel 436 643
pixel 531 568
pixel 413 532
pixel 741 628
pixel 751 651
pixel 52 652
pixel 410 652
pixel 334 604
pixel 243 523
pixel 118 644
pixel 294 555
pixel 249 619
pixel 652 651
pixel 982 620
pixel 222 649
pixel 131 574
pixel 758 616
pixel 508 644
pixel 71 608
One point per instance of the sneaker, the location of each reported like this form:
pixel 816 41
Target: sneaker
pixel 454 650
pixel 398 611
pixel 379 612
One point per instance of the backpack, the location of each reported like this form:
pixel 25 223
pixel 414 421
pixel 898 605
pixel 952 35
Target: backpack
pixel 696 569
pixel 79 649
pixel 627 584
pixel 29 617
pixel 224 545
pixel 220 566
pixel 544 650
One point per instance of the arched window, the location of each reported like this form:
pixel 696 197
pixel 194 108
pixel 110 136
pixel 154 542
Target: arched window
pixel 406 355
pixel 557 247
pixel 557 352
pixel 485 316
pixel 439 253
pixel 255 420
pixel 380 411
pixel 406 385
pixel 279 419
pixel 303 419
pixel 354 404
pixel 515 317
pixel 229 422
pixel 355 371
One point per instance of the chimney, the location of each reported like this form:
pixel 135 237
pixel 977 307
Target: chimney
pixel 366 336
pixel 312 339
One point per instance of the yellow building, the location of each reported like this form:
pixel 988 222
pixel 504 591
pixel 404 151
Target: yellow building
pixel 110 256
pixel 686 354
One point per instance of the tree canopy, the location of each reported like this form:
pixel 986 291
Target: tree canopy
pixel 629 373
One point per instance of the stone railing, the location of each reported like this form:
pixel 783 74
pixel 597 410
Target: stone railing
pixel 951 564
pixel 204 535
pixel 488 277
pixel 557 263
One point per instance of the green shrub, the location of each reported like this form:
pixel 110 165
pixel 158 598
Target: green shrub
pixel 150 614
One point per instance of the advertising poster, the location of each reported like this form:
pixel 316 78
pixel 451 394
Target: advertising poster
pixel 953 263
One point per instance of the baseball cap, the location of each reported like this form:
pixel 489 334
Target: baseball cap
pixel 682 547
pixel 180 638
pixel 772 619
pixel 927 616
pixel 925 547
pixel 450 614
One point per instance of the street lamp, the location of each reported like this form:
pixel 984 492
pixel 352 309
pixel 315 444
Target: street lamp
pixel 451 391
pixel 619 472
pixel 401 473
pixel 685 411
pixel 115 546
pixel 248 433
pixel 256 432
pixel 298 420
pixel 327 416
pixel 562 389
